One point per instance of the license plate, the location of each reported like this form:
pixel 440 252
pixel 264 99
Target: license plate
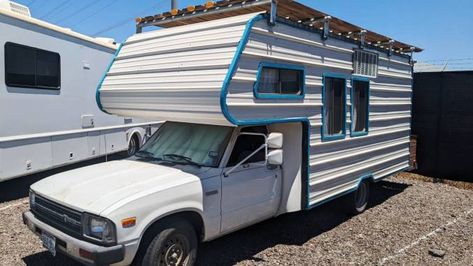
pixel 49 242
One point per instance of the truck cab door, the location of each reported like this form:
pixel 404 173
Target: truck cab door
pixel 252 191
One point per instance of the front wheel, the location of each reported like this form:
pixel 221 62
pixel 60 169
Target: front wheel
pixel 175 245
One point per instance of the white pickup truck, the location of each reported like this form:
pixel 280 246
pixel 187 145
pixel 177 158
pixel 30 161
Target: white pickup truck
pixel 189 183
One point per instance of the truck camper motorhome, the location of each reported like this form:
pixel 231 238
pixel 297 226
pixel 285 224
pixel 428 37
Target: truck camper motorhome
pixel 271 107
pixel 48 111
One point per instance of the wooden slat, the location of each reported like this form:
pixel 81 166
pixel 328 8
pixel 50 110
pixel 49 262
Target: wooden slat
pixel 290 9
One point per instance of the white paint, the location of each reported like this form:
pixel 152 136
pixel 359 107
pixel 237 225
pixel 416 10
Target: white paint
pixel 402 251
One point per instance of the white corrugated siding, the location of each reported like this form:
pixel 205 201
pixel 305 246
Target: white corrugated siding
pixel 335 166
pixel 174 74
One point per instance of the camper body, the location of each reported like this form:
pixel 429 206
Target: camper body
pixel 48 111
pixel 263 119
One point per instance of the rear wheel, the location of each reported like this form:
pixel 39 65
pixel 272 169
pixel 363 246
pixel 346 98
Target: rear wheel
pixel 174 245
pixel 357 202
pixel 133 145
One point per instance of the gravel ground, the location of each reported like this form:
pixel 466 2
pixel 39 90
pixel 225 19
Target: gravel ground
pixel 407 218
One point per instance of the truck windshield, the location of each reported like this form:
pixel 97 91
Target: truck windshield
pixel 183 143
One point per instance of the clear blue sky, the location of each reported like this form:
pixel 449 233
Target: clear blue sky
pixel 443 28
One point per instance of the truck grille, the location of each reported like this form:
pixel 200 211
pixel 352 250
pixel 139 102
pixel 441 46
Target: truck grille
pixel 58 216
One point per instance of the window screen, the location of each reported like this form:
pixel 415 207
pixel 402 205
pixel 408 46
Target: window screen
pixel 360 106
pixel 365 63
pixel 334 106
pixel 280 81
pixel 31 67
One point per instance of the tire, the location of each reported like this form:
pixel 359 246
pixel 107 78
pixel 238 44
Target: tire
pixel 357 202
pixel 133 146
pixel 174 244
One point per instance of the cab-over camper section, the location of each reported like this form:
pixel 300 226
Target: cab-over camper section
pixel 349 90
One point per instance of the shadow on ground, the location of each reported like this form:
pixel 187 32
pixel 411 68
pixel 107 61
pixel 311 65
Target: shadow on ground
pixel 290 229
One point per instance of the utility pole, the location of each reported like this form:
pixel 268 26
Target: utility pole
pixel 173 4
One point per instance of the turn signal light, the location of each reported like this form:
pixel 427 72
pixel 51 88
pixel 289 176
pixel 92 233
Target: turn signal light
pixel 86 254
pixel 129 222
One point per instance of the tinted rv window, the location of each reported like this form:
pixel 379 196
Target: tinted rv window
pixel 360 104
pixel 274 80
pixel 31 67
pixel 334 106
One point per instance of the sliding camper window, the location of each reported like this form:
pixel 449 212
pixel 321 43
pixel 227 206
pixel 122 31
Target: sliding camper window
pixel 360 106
pixel 279 81
pixel 334 97
pixel 31 67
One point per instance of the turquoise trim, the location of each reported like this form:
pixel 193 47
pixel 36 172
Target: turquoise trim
pixel 326 137
pixel 365 132
pixel 97 92
pixel 262 65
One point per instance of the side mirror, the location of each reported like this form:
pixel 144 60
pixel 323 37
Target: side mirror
pixel 275 141
pixel 275 157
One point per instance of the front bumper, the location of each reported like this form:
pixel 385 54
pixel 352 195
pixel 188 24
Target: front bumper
pixel 96 255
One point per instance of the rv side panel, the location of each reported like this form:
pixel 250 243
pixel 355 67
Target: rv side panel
pixel 336 166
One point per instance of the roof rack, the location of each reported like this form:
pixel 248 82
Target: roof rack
pixel 288 10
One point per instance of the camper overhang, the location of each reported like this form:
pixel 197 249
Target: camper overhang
pixel 288 11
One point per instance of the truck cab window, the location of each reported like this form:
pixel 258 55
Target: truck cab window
pixel 246 145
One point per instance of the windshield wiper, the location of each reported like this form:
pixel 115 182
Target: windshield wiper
pixel 184 158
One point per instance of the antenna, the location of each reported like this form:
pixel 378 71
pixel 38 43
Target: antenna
pixel 173 4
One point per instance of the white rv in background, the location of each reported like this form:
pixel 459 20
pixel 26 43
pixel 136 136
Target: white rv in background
pixel 48 111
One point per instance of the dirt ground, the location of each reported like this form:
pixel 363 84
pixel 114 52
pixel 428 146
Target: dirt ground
pixel 408 216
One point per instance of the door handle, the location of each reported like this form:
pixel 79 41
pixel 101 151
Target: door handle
pixel 246 165
pixel 212 192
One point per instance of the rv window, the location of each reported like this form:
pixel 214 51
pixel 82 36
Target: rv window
pixel 280 81
pixel 31 67
pixel 360 106
pixel 334 107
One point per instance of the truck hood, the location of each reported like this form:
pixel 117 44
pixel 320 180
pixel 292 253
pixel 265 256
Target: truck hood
pixel 94 188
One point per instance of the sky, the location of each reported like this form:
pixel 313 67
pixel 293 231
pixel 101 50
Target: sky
pixel 443 28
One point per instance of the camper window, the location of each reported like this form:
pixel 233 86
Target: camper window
pixel 279 81
pixel 31 67
pixel 360 106
pixel 334 108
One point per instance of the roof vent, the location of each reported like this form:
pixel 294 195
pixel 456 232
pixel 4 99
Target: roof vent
pixel 15 8
pixel 365 63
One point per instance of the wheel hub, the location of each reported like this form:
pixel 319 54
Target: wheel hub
pixel 174 254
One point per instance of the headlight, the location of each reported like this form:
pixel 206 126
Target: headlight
pixel 32 199
pixel 99 228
